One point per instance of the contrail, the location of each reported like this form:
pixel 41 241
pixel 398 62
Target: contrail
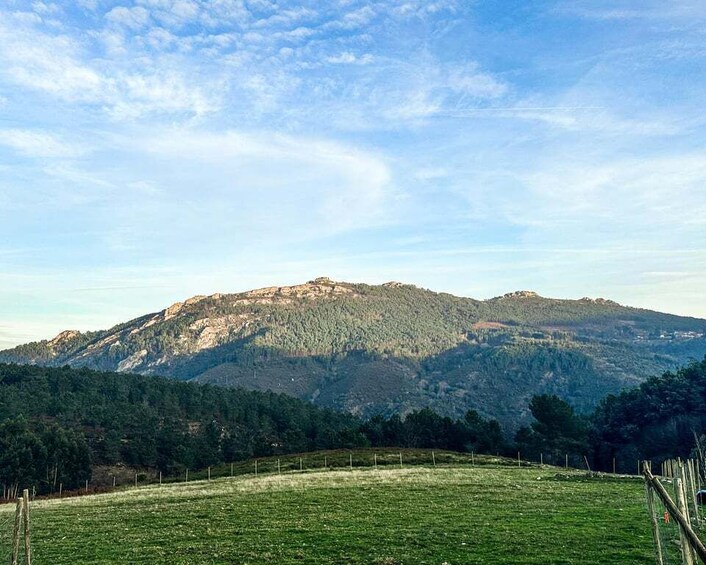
pixel 523 109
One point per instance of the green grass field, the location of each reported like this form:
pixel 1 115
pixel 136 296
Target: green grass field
pixel 432 515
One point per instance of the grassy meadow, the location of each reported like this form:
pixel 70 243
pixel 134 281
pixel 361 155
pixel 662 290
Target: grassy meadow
pixel 448 514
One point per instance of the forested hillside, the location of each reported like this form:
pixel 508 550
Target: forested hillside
pixel 57 425
pixel 662 418
pixel 391 348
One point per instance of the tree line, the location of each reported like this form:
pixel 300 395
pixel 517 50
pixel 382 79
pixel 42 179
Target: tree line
pixel 58 424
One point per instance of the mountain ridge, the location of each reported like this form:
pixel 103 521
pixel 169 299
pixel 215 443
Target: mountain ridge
pixel 391 347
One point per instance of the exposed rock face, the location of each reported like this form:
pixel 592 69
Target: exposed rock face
pixel 130 363
pixel 318 288
pixel 177 307
pixel 520 294
pixel 599 301
pixel 64 337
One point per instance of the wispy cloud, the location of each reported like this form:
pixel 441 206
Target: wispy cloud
pixel 61 66
pixel 685 11
pixel 330 187
pixel 134 18
pixel 39 144
pixel 226 144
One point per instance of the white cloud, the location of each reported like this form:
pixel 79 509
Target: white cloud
pixel 654 10
pixel 352 20
pixel 317 185
pixel 173 13
pixel 134 18
pixel 58 66
pixel 286 17
pixel 45 8
pixel 348 58
pixel 575 118
pixel 165 92
pixel 48 63
pixel 469 80
pixel 38 144
pixel 426 88
pixel 658 200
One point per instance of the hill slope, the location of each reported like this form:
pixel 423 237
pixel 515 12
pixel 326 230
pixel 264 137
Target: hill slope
pixel 394 347
pixel 359 517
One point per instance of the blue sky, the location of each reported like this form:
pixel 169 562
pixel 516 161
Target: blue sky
pixel 157 149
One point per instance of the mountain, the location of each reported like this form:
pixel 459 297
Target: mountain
pixel 393 347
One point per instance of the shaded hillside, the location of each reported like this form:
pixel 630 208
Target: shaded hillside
pixel 59 425
pixel 394 347
pixel 659 420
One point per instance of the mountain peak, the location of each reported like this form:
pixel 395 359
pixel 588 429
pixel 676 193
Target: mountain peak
pixel 317 288
pixel 63 337
pixel 599 301
pixel 177 307
pixel 520 294
pixel 394 284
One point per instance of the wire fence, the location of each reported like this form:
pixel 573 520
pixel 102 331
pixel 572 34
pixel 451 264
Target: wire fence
pixel 110 479
pixel 7 523
pixel 15 529
pixel 668 532
pixel 674 502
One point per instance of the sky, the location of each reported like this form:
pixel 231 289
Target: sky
pixel 158 149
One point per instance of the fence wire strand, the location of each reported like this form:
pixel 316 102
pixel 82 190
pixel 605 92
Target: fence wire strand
pixel 6 525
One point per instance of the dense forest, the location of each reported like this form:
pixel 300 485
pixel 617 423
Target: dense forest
pixel 57 425
pixel 661 418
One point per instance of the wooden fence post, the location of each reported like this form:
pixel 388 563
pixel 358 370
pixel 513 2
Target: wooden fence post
pixel 375 460
pixel 231 468
pixel 655 524
pixel 16 532
pixel 692 490
pixel 684 526
pixel 687 555
pixel 400 459
pixel 433 459
pixel 350 460
pixel 25 520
